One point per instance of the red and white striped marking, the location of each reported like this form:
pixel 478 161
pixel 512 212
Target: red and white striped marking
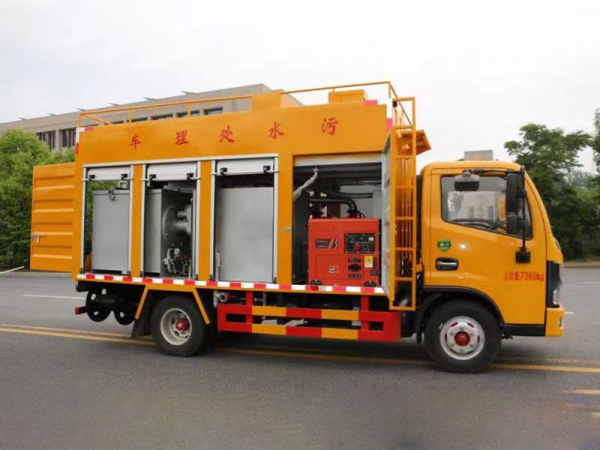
pixel 234 284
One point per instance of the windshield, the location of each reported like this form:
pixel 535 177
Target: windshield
pixel 484 208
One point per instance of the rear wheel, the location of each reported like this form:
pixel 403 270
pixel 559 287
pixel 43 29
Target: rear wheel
pixel 462 336
pixel 178 327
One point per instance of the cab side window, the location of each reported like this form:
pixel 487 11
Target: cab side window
pixel 482 209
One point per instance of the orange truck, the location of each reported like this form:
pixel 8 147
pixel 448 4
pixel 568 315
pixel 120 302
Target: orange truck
pixel 298 220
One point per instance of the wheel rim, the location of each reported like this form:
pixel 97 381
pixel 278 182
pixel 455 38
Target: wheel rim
pixel 176 326
pixel 462 338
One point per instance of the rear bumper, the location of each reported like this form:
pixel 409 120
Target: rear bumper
pixel 555 321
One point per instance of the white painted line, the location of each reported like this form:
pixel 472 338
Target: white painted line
pixel 12 270
pixel 569 312
pixel 52 296
pixel 588 282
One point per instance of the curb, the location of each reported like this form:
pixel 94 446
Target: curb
pixel 582 265
pixel 28 274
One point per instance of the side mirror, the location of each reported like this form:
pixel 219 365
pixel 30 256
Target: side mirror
pixel 466 182
pixel 515 224
pixel 515 190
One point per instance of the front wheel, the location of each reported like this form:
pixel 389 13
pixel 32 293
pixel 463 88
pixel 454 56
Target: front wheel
pixel 178 327
pixel 462 336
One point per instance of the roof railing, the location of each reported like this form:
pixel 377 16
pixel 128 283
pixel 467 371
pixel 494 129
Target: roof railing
pixel 400 115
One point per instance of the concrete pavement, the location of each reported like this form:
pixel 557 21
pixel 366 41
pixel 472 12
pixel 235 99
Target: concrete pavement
pixel 67 383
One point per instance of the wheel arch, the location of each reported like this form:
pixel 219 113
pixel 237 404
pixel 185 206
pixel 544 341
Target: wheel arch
pixel 150 297
pixel 434 297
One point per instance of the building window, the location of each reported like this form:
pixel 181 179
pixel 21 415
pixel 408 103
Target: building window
pixel 211 111
pixel 49 137
pixel 192 113
pixel 67 137
pixel 162 117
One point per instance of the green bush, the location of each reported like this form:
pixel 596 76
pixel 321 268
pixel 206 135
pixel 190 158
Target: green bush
pixel 19 152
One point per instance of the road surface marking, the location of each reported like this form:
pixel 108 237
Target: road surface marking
pixel 588 282
pixel 502 366
pixel 583 392
pixel 75 336
pixel 53 296
pixel 65 330
pixel 547 368
pixel 501 359
pixel 414 362
pixel 569 312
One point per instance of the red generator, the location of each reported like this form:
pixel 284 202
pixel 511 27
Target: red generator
pixel 343 252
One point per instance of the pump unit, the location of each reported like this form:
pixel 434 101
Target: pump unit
pixel 344 252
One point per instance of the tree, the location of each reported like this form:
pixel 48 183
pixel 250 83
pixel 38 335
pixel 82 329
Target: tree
pixel 595 144
pixel 550 158
pixel 19 152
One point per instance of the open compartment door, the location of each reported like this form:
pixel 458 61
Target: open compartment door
pixel 399 219
pixel 52 203
pixel 387 201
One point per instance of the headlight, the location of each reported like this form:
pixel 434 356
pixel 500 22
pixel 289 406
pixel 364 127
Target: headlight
pixel 556 297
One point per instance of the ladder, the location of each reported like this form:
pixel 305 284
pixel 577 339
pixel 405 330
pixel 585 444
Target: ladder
pixel 403 256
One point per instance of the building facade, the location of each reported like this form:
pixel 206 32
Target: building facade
pixel 58 131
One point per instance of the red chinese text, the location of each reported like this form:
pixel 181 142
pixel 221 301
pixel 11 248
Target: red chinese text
pixel 135 141
pixel 275 131
pixel 329 125
pixel 520 275
pixel 226 134
pixel 181 137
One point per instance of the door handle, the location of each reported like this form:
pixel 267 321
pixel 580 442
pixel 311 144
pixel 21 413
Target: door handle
pixel 446 264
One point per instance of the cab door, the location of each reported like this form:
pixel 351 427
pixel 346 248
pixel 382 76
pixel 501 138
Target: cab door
pixel 52 209
pixel 470 249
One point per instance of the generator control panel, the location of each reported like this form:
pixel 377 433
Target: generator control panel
pixel 344 252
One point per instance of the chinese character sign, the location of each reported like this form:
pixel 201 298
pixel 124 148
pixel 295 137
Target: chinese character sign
pixel 226 135
pixel 135 141
pixel 329 125
pixel 181 137
pixel 275 131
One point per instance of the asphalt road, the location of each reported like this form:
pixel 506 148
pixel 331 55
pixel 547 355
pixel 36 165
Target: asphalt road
pixel 69 383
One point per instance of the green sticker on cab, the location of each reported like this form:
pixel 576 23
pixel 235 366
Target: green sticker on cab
pixel 444 244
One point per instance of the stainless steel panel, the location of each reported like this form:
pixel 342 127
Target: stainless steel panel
pixel 244 234
pixel 157 240
pixel 152 232
pixel 109 173
pixel 172 172
pixel 110 231
pixel 245 166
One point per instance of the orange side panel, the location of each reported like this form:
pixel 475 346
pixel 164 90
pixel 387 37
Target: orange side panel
pixel 136 222
pixel 52 216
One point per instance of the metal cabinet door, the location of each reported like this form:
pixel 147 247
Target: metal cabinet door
pixel 110 231
pixel 244 234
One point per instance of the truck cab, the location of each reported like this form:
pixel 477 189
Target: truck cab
pixel 472 250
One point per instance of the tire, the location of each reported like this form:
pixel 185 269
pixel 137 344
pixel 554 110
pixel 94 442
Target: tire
pixel 178 327
pixel 124 312
pixel 462 336
pixel 123 317
pixel 95 311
